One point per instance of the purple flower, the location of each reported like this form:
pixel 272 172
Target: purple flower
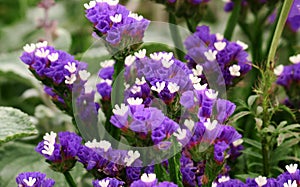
pixel 119 26
pixel 61 155
pixel 219 149
pixel 37 179
pixel 293 19
pixel 205 48
pixel 108 182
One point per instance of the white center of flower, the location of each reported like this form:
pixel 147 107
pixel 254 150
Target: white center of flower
pixel 189 124
pixel 198 71
pixel 135 89
pixel 70 79
pixel 235 70
pixel 211 94
pixel 219 37
pixel 292 168
pixel 159 86
pixel 210 125
pixel 129 60
pixel 214 184
pixel 71 67
pixel 107 63
pixel 167 56
pixel 180 134
pixel 120 110
pixel 135 16
pixel 132 156
pixel 112 2
pixel 50 137
pixel 135 101
pixel 278 70
pixel 194 79
pixel 199 87
pixel 107 81
pixel 29 48
pixel 211 55
pixel 140 81
pixel 173 87
pixel 117 18
pixel 156 56
pixel 30 182
pixel 53 57
pixel 84 75
pixel 220 45
pixel 141 53
pixel 167 63
pixel 90 5
pixel 260 181
pixel 295 59
pixel 148 178
pixel 42 53
pixel 48 148
pixel 223 179
pixel 242 44
pixel 103 183
pixel 41 44
pixel 290 183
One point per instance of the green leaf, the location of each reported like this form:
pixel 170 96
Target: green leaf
pixel 251 100
pixel 18 157
pixel 238 116
pixel 64 40
pixel 254 143
pixel 252 153
pixel 14 124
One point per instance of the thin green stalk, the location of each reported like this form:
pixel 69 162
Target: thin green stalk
pixel 233 19
pixel 176 37
pixel 278 31
pixel 69 179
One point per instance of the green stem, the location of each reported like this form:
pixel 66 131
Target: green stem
pixel 176 37
pixel 69 179
pixel 278 31
pixel 190 25
pixel 233 19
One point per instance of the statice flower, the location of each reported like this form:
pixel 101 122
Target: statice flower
pixel 288 76
pixel 106 78
pixel 293 19
pixel 292 174
pixel 160 75
pixel 58 71
pixel 52 65
pixel 149 180
pixel 119 26
pixel 60 153
pixel 213 53
pixel 36 179
pixel 108 182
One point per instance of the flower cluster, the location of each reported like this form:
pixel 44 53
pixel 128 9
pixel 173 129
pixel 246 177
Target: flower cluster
pixel 293 19
pixel 119 26
pixel 289 77
pixel 149 180
pixel 58 71
pixel 61 155
pixel 290 178
pixel 204 49
pixel 106 78
pixel 37 179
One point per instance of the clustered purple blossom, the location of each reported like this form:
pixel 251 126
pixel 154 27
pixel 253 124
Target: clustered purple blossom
pixel 204 49
pixel 293 19
pixel 119 26
pixel 106 78
pixel 36 179
pixel 290 178
pixel 60 154
pixel 289 76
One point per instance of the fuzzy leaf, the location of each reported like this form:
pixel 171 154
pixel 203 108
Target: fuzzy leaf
pixel 14 124
pixel 251 100
pixel 18 157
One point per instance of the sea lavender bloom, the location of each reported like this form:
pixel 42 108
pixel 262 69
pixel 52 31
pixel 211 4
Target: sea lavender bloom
pixel 293 19
pixel 231 58
pixel 37 179
pixel 289 77
pixel 50 64
pixel 108 182
pixel 60 154
pixel 149 180
pixel 119 26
